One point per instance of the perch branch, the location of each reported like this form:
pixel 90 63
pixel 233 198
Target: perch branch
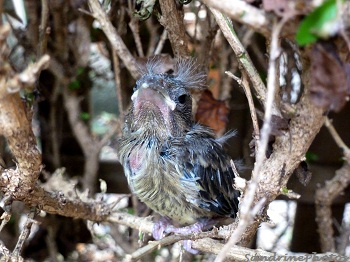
pixel 201 241
pixel 135 29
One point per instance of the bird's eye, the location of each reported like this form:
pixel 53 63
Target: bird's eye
pixel 135 88
pixel 182 99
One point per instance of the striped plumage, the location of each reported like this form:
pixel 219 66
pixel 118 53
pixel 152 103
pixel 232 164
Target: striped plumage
pixel 173 165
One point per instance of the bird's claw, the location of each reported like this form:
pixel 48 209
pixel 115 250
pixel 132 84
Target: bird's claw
pixel 160 227
pixel 187 244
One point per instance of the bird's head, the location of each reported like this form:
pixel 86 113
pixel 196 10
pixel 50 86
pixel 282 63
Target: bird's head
pixel 162 101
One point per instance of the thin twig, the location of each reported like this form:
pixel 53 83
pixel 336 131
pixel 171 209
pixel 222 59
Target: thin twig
pixel 5 217
pixel 338 140
pixel 324 197
pixel 246 215
pixel 26 79
pixel 242 12
pixel 161 42
pixel 43 36
pixel 344 17
pixel 243 58
pixel 24 235
pixel 135 29
pixel 243 223
pixel 114 38
pixel 244 83
pixel 117 81
pixel 332 188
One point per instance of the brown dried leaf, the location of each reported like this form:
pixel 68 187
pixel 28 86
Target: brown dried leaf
pixel 212 112
pixel 329 78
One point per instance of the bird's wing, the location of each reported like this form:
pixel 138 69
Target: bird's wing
pixel 206 166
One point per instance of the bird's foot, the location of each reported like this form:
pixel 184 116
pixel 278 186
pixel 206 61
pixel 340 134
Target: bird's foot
pixel 164 226
pixel 160 227
pixel 195 228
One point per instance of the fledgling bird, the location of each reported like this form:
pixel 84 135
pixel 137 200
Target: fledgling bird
pixel 172 164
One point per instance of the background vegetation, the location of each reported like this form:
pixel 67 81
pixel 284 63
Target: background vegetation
pixel 278 71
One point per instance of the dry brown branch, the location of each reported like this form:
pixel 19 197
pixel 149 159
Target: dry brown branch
pixel 338 140
pixel 201 241
pixel 16 128
pixel 115 40
pixel 246 214
pixel 20 183
pixel 43 34
pixel 87 142
pixel 91 147
pixel 242 56
pixel 51 202
pixel 117 81
pixel 242 12
pixel 289 150
pixel 16 254
pixel 325 195
pixel 26 79
pixel 172 20
pixel 135 29
pixel 244 83
pixel 160 45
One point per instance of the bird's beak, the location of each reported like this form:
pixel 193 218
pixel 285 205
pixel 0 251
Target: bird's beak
pixel 146 93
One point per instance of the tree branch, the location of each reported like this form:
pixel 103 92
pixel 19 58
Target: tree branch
pixel 325 195
pixel 172 20
pixel 242 12
pixel 114 38
pixel 242 55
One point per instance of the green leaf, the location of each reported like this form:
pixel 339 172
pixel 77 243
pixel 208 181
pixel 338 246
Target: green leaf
pixel 85 116
pixel 141 235
pixel 74 85
pixel 284 190
pixel 320 23
pixel 80 71
pixel 311 157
